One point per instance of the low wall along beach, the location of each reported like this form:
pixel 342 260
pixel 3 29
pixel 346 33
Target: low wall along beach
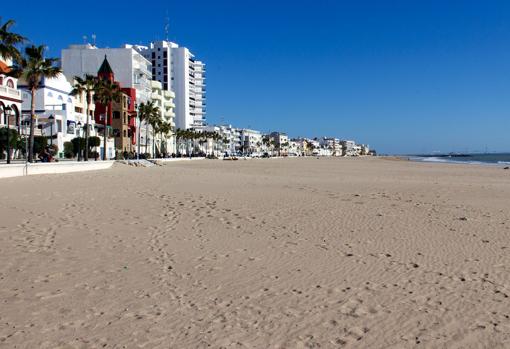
pixel 18 170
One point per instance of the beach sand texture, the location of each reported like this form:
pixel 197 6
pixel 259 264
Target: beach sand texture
pixel 280 253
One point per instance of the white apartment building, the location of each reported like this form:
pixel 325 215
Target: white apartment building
pixel 251 141
pixel 281 142
pixel 295 148
pixel 231 145
pixel 333 144
pixel 130 68
pixel 53 99
pixel 178 70
pixel 348 148
pixel 164 100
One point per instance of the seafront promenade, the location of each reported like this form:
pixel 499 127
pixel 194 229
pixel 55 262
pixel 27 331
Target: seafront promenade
pixel 287 253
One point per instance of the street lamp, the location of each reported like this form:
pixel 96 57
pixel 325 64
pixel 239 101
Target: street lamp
pixel 7 114
pixel 79 140
pixel 51 118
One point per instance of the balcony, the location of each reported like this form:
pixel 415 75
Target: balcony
pixel 156 85
pixel 169 94
pixel 10 92
pixel 156 96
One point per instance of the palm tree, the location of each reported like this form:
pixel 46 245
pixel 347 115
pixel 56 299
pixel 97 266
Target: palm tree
pixel 184 135
pixel 178 137
pixel 225 143
pixel 148 112
pixel 310 146
pixel 33 68
pixel 164 129
pixel 8 42
pixel 87 85
pixel 154 120
pixel 105 93
pixel 266 140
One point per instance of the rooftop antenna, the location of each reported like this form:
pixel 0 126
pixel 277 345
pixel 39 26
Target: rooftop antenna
pixel 167 25
pixel 93 39
pixel 84 39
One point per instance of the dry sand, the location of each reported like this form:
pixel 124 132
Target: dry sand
pixel 289 253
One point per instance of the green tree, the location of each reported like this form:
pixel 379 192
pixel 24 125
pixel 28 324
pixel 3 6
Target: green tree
pixel 94 141
pixel 14 140
pixel 9 40
pixel 32 67
pixel 88 86
pixel 179 136
pixel 40 143
pixel 105 93
pixel 148 112
pixel 164 128
pixel 68 150
pixel 79 143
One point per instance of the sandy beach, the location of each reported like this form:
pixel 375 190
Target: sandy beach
pixel 278 253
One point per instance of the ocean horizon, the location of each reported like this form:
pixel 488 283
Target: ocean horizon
pixel 475 158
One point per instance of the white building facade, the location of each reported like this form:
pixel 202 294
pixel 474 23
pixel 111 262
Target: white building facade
pixel 164 100
pixel 281 142
pixel 131 69
pixel 251 142
pixel 53 98
pixel 178 70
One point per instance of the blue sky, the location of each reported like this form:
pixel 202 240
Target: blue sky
pixel 403 76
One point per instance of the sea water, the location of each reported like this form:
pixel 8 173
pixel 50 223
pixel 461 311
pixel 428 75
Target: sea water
pixel 480 159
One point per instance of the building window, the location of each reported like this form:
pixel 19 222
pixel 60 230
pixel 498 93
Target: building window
pixel 10 84
pixel 116 114
pixel 153 55
pixel 125 134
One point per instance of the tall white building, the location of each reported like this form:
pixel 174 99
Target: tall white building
pixel 164 100
pixel 131 69
pixel 178 70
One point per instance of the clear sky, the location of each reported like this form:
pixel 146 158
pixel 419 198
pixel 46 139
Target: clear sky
pixel 403 76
